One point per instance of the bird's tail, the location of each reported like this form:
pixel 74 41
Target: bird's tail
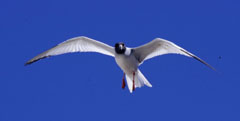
pixel 139 79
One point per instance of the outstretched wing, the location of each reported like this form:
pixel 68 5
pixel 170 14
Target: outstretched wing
pixel 77 44
pixel 160 47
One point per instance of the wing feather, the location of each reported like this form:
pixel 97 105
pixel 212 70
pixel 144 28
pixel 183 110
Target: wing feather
pixel 77 44
pixel 159 47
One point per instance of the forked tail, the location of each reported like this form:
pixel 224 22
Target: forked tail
pixel 139 79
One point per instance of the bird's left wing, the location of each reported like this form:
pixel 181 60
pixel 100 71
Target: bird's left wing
pixel 77 44
pixel 160 46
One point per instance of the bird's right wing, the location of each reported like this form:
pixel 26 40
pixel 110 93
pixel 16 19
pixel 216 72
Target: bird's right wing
pixel 160 46
pixel 77 44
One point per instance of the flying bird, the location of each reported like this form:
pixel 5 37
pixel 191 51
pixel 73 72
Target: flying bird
pixel 128 59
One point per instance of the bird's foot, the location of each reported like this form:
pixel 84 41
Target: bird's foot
pixel 123 81
pixel 133 81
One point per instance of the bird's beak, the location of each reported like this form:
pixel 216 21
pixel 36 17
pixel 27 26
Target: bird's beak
pixel 121 47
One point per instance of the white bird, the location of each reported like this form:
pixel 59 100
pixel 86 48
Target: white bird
pixel 128 59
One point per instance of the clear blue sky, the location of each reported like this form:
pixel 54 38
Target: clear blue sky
pixel 87 86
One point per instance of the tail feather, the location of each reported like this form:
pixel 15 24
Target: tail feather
pixel 140 80
pixel 129 82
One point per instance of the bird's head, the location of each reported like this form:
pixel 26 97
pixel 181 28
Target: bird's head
pixel 120 48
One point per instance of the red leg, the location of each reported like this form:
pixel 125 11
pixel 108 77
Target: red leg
pixel 133 81
pixel 123 81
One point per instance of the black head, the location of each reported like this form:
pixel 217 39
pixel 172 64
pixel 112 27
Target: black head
pixel 120 48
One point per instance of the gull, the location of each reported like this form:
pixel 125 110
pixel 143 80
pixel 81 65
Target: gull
pixel 128 59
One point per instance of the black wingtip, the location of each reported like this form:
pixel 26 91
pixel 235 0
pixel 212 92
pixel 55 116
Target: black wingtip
pixel 27 63
pixel 204 63
pixel 197 58
pixel 34 60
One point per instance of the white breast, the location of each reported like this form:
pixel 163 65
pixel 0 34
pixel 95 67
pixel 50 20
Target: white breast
pixel 128 51
pixel 128 62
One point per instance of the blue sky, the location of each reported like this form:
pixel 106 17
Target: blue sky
pixel 87 86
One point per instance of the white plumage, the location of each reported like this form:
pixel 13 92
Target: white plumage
pixel 128 59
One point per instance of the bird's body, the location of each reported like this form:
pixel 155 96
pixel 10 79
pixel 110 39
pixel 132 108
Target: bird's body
pixel 128 59
pixel 128 63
